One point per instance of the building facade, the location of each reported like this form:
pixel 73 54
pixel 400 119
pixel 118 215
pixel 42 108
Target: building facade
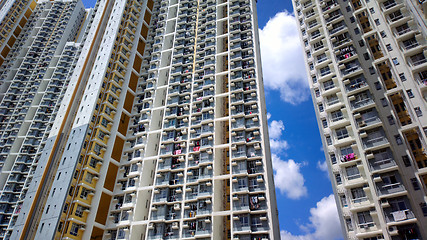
pixel 159 130
pixel 33 77
pixel 367 68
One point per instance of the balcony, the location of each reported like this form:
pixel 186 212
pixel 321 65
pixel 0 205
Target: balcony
pixel 390 188
pixel 374 138
pixel 355 84
pixel 380 162
pixel 368 118
pixel 360 100
pixel 398 216
pixel 417 60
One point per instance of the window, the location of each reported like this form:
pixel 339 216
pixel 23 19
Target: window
pixel 377 22
pixel 410 94
pixel 348 8
pixel 384 102
pixel 352 20
pixel 74 229
pixel 361 43
pixel 398 139
pixel 395 61
pixel 333 158
pixel 336 116
pixel 377 85
pixel 372 10
pixel 346 150
pixel 364 219
pixel 349 224
pixel 366 56
pixel 402 77
pixel 333 99
pixel 324 123
pixel 328 140
pixel 328 85
pixel 325 71
pixel 352 172
pixel 79 211
pixel 406 161
pixel 390 120
pixel 356 31
pixel 418 111
pixel 389 179
pixel 317 92
pixel 338 178
pixel 415 184
pixel 343 199
pixel 256 222
pixel 244 220
pixel 314 79
pixel 358 195
pixel 84 193
pixel 241 182
pixel 341 133
pixel 398 204
pixel 320 107
pixel 371 70
pixel 383 34
pixel 389 48
pixel 89 177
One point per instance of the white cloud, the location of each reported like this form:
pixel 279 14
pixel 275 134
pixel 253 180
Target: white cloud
pixel 275 129
pixel 282 58
pixel 268 116
pixel 285 235
pixel 288 178
pixel 278 145
pixel 324 222
pixel 322 166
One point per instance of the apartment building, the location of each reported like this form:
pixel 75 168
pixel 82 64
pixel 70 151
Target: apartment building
pixel 13 16
pixel 159 130
pixel 34 75
pixel 367 68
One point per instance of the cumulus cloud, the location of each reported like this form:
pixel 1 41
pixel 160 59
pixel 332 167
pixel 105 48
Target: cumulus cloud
pixel 322 166
pixel 282 58
pixel 324 223
pixel 275 130
pixel 277 146
pixel 288 178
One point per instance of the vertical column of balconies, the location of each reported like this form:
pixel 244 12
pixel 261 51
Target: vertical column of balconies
pixel 124 207
pixel 18 50
pixel 51 99
pixel 8 135
pixel 166 205
pixel 37 102
pixel 14 19
pixel 249 201
pixel 412 46
pixel 85 183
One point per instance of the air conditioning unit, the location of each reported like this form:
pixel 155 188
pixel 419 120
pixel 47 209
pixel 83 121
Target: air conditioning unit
pixel 175 225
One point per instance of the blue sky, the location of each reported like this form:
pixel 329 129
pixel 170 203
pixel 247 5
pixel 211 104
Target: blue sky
pixel 306 207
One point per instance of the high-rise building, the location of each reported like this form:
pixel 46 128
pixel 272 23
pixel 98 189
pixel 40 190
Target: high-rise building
pixel 367 68
pixel 158 131
pixel 39 55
